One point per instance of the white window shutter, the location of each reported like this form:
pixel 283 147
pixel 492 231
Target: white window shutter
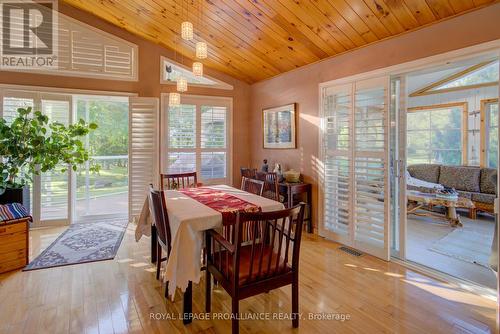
pixel 143 150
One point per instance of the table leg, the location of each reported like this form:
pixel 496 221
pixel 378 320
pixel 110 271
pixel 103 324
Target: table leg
pixel 453 218
pixel 187 307
pixel 154 244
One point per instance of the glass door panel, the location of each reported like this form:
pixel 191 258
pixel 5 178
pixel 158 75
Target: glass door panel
pixel 54 185
pixel 104 193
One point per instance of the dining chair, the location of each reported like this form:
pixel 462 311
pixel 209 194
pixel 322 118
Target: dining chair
pixel 158 210
pixel 271 189
pixel 268 261
pixel 252 186
pixel 178 181
pixel 248 172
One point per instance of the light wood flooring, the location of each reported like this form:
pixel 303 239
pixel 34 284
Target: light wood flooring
pixel 120 296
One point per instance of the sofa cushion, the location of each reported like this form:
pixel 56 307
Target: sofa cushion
pixel 426 172
pixel 488 180
pixel 460 178
pixel 483 198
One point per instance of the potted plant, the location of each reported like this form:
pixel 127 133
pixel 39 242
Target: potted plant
pixel 31 144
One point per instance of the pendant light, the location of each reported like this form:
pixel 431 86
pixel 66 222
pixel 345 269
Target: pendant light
pixel 187 31
pixel 182 84
pixel 198 69
pixel 174 99
pixel 201 50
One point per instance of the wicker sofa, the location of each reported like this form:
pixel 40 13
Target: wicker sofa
pixel 474 183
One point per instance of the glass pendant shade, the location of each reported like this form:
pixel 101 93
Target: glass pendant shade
pixel 187 31
pixel 174 99
pixel 198 69
pixel 182 84
pixel 201 50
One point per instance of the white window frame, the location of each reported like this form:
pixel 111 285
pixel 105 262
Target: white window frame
pixel 37 93
pixel 199 100
pixel 486 129
pixel 464 131
pixel 218 83
pixel 66 22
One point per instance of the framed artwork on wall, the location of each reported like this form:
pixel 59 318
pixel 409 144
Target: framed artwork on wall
pixel 278 127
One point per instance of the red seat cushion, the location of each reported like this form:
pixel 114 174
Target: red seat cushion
pixel 245 258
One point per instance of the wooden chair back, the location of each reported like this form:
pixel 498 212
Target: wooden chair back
pixel 158 210
pixel 273 251
pixel 252 186
pixel 271 187
pixel 178 181
pixel 248 172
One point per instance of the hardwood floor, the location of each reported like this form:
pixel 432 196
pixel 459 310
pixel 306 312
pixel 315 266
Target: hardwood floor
pixel 122 296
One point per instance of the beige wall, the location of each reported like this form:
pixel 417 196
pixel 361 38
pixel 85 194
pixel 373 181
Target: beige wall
pixel 148 84
pixel 301 85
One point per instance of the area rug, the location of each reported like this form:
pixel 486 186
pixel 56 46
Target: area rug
pixel 469 243
pixel 82 243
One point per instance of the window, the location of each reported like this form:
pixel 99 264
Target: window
pixel 197 138
pixel 482 74
pixel 489 133
pixel 437 134
pixel 85 51
pixel 171 70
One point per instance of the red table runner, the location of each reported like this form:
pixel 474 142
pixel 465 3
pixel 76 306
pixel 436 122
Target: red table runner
pixel 227 204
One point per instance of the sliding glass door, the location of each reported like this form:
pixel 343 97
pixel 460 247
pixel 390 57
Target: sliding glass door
pixel 103 194
pixel 58 198
pixel 354 146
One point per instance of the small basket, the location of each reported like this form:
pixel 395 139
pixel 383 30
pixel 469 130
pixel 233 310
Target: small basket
pixel 292 176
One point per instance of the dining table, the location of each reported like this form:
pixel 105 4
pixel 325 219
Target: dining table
pixel 191 212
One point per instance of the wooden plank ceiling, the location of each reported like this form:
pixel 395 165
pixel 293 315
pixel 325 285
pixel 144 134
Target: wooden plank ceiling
pixel 254 40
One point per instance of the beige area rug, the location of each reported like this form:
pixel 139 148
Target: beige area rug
pixel 469 243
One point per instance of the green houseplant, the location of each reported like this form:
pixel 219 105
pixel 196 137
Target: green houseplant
pixel 31 144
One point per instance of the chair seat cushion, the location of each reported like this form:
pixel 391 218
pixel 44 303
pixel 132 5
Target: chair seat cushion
pixel 245 258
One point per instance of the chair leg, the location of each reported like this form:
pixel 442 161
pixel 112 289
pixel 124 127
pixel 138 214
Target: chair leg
pixel 166 289
pixel 235 313
pixel 295 303
pixel 158 261
pixel 208 291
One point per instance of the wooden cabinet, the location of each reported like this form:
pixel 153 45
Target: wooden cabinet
pixel 14 241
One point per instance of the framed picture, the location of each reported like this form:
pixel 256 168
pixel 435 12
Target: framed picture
pixel 278 127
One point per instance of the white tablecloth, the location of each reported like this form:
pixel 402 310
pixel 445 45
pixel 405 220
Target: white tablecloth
pixel 188 219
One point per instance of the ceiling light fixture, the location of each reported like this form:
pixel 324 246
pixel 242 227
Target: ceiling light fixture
pixel 187 31
pixel 182 84
pixel 174 99
pixel 198 69
pixel 201 50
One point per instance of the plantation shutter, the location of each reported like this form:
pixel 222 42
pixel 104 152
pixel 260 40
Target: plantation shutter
pixel 338 161
pixel 143 150
pixel 82 50
pixel 355 193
